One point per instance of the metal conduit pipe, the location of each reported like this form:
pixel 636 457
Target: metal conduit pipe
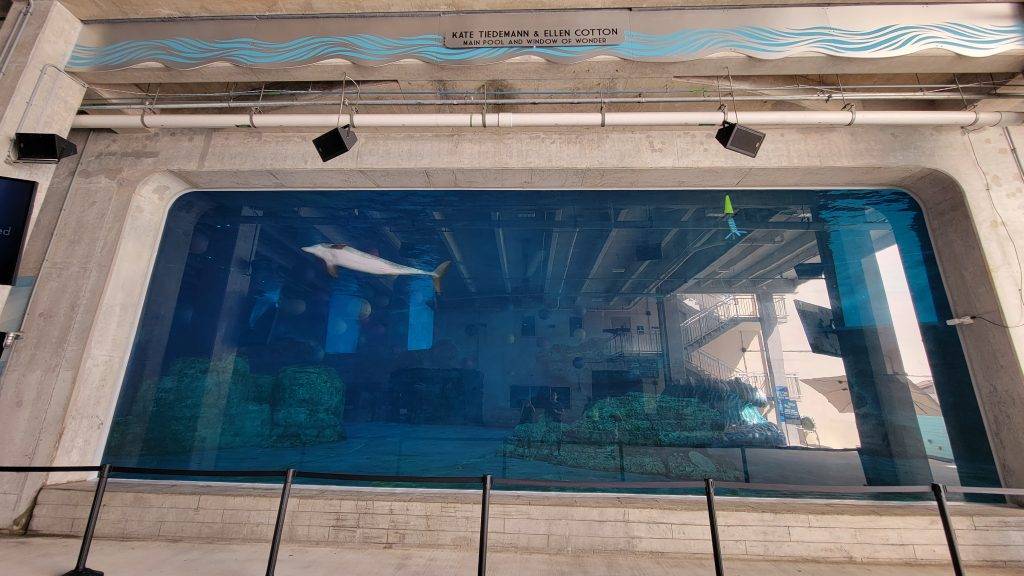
pixel 972 119
pixel 15 36
pixel 242 104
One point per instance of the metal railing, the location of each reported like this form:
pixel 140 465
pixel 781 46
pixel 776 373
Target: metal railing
pixel 630 344
pixel 709 365
pixel 700 329
pixel 486 482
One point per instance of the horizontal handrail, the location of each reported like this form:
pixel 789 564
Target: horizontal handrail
pixel 190 472
pixel 388 478
pixel 30 469
pixel 684 484
pixel 986 490
pixel 609 484
pixel 815 488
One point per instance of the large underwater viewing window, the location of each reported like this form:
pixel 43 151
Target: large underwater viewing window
pixel 782 336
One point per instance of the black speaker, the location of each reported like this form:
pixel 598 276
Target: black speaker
pixel 739 138
pixel 335 143
pixel 34 147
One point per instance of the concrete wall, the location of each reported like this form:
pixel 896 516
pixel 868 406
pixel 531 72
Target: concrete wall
pixel 553 523
pixel 81 321
pixel 35 96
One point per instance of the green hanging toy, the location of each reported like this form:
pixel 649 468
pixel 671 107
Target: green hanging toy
pixel 734 232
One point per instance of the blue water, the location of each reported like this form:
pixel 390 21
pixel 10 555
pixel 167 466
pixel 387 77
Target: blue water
pixel 568 335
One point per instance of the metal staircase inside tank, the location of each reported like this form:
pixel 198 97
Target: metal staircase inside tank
pixel 717 314
pixel 720 313
pixel 706 364
pixel 717 318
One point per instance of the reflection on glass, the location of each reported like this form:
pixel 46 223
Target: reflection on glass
pixel 584 335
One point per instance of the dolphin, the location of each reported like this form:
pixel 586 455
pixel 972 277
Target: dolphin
pixel 335 255
pixel 265 300
pixel 267 290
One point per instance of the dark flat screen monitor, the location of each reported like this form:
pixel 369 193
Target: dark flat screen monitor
pixel 15 208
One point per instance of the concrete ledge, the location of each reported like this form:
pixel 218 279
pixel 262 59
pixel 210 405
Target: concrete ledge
pixel 46 555
pixel 868 532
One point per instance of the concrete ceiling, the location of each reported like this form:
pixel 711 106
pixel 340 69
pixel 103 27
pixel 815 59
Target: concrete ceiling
pixel 121 9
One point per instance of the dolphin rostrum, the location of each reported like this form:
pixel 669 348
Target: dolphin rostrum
pixel 335 255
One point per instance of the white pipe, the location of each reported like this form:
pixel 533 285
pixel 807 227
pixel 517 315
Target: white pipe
pixel 712 118
pixel 538 119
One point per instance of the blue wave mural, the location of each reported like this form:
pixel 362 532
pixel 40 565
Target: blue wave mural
pixel 365 49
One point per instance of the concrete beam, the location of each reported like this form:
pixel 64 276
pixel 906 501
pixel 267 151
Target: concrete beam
pixel 530 69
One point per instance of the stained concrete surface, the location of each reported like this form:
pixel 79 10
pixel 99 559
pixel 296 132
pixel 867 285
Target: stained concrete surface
pixel 37 556
pixel 92 10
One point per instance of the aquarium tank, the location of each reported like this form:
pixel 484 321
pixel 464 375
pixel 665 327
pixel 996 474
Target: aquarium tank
pixel 782 336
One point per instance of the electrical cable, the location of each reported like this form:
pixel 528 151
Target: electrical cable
pixel 1006 228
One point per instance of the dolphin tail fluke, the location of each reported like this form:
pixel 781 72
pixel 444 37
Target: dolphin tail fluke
pixel 439 273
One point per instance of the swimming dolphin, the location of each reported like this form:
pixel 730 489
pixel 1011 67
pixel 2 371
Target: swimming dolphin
pixel 335 255
pixel 265 300
pixel 267 290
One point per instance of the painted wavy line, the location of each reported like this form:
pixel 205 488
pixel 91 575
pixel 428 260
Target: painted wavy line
pixel 760 42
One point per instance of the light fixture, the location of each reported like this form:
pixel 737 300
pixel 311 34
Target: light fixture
pixel 332 144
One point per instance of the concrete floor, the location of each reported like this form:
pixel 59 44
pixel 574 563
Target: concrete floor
pixel 43 556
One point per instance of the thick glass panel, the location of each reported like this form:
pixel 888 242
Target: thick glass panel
pixel 790 336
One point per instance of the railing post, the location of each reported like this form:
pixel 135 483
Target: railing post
pixel 622 463
pixel 485 516
pixel 947 524
pixel 282 509
pixel 90 526
pixel 716 545
pixel 504 459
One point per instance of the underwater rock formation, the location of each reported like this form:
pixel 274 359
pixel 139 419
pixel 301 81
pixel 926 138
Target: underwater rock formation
pixel 307 406
pixel 299 406
pixel 671 435
pixel 179 397
pixel 246 421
